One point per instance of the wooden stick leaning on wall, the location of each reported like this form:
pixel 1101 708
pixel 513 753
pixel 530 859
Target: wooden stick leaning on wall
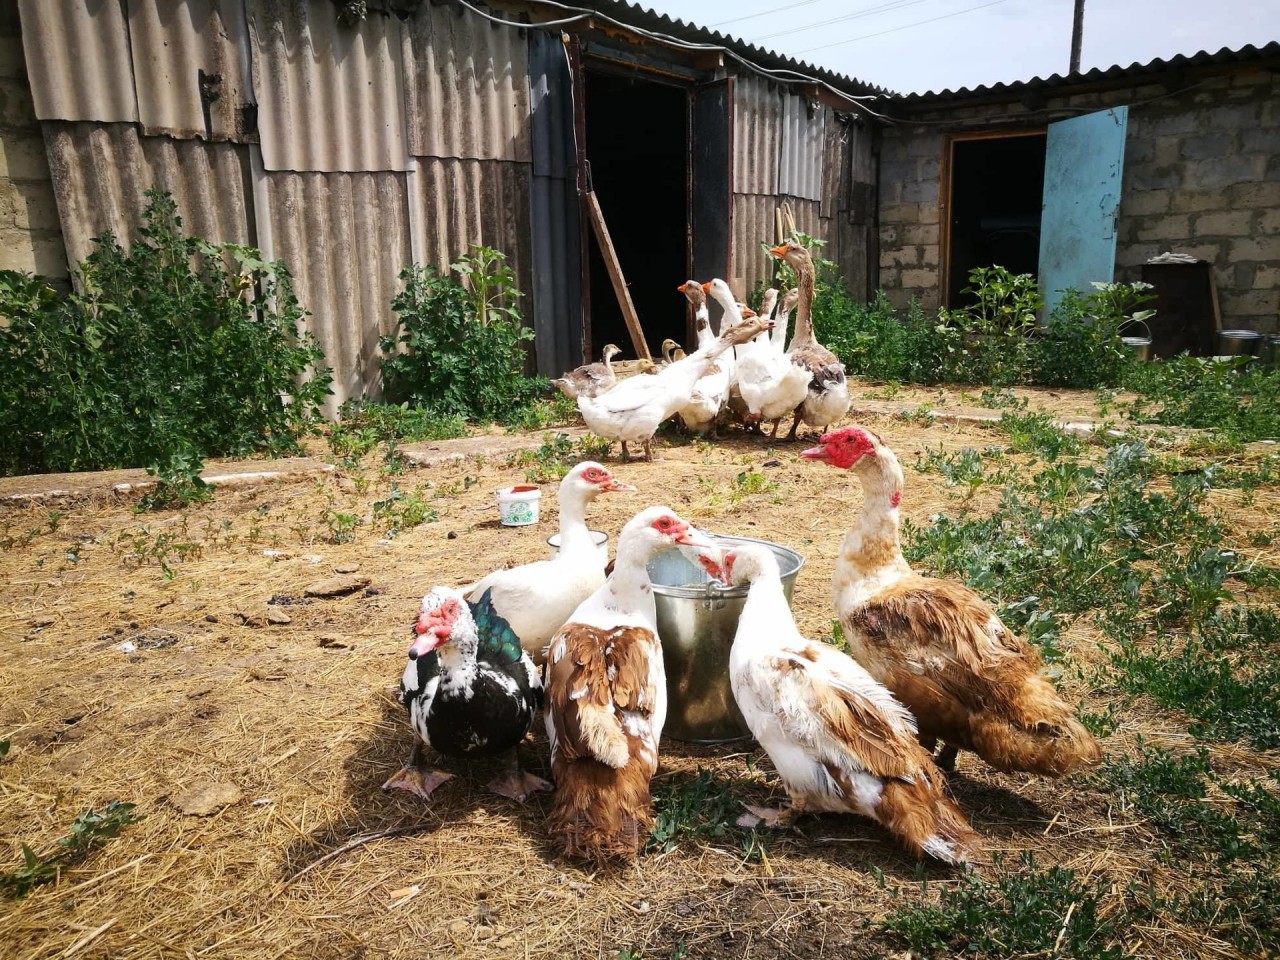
pixel 615 276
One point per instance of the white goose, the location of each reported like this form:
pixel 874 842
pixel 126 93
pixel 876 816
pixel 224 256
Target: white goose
pixel 633 410
pixel 535 599
pixel 712 390
pixel 770 384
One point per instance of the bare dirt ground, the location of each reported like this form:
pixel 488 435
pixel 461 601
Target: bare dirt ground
pixel 141 656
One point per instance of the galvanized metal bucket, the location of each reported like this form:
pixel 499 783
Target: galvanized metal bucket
pixel 1236 343
pixel 697 620
pixel 1140 347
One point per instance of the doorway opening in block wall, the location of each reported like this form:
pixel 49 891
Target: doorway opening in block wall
pixel 994 186
pixel 637 149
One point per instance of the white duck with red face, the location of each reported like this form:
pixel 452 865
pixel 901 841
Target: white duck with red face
pixel 536 598
pixel 607 696
pixel 840 741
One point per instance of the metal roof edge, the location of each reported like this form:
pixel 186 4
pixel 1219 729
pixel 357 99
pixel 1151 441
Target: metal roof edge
pixel 1224 57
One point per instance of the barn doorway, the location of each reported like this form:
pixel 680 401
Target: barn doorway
pixel 996 188
pixel 637 150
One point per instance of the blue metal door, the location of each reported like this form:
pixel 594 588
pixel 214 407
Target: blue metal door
pixel 1084 164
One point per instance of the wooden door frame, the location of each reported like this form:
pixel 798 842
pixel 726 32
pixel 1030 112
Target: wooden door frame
pixel 945 190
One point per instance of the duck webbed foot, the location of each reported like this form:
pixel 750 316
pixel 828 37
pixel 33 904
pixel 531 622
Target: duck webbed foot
pixel 516 784
pixel 419 780
pixel 774 818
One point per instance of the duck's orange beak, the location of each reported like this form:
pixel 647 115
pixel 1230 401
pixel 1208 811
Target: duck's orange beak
pixel 779 251
pixel 707 286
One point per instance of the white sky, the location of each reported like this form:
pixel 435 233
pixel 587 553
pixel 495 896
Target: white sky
pixel 1003 40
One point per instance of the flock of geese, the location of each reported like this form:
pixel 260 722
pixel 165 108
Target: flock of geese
pixel 748 372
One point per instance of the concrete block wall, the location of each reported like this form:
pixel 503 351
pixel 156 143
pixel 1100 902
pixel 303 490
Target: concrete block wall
pixel 30 232
pixel 910 162
pixel 1202 177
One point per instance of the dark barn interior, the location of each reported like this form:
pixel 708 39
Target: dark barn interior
pixel 996 199
pixel 637 149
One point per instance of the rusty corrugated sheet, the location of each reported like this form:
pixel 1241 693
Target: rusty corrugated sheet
pixel 467 87
pixel 101 172
pixel 171 44
pixel 474 201
pixel 330 97
pixel 757 135
pixel 345 238
pixel 77 54
pixel 800 169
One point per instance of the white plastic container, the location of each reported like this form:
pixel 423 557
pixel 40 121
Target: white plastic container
pixel 598 537
pixel 518 505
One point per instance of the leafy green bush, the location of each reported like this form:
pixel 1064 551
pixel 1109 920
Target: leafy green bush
pixel 457 351
pixel 1236 398
pixel 164 358
pixel 1081 345
pixel 996 340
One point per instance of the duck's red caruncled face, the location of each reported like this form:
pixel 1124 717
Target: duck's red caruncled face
pixel 843 448
pixel 434 627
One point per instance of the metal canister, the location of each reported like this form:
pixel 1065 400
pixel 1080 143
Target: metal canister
pixel 1237 343
pixel 697 620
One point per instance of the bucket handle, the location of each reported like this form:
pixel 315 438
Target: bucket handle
pixel 712 599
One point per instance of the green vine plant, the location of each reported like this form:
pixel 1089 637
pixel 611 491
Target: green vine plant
pixel 170 351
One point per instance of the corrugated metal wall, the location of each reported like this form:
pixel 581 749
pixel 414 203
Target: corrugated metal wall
pixel 330 98
pixel 350 151
pixel 170 45
pixel 101 171
pixel 757 135
pixel 380 144
pixel 468 86
pixel 790 149
pixel 345 236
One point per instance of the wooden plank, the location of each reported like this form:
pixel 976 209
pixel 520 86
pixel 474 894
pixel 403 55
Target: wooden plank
pixel 616 277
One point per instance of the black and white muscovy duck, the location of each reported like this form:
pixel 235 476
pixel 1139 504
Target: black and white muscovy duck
pixel 470 691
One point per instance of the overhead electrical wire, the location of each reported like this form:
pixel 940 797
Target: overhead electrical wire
pixel 583 13
pixel 857 15
pixel 905 26
pixel 765 13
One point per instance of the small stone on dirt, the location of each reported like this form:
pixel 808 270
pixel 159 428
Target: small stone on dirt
pixel 251 619
pixel 451 535
pixel 206 798
pixel 278 616
pixel 210 618
pixel 331 644
pixel 346 568
pixel 336 586
pixel 775 462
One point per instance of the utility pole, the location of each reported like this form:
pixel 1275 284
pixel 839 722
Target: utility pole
pixel 1077 34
